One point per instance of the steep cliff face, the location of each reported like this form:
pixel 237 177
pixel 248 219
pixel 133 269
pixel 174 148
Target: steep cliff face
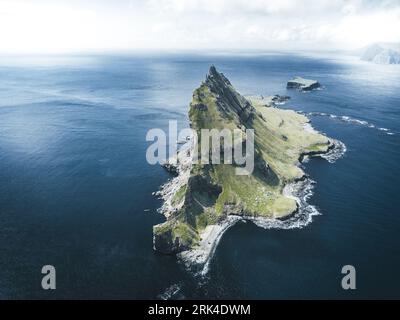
pixel 229 102
pixel 206 194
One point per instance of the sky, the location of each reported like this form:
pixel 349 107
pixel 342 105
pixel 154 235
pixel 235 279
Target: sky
pixel 46 26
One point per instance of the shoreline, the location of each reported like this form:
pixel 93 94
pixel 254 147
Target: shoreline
pixel 198 258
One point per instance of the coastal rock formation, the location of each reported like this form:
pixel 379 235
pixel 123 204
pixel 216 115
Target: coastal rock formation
pixel 204 200
pixel 277 99
pixel 269 101
pixel 302 84
pixel 382 54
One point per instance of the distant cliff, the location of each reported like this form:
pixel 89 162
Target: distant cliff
pixel 382 53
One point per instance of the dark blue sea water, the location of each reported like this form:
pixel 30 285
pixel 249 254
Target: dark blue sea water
pixel 75 184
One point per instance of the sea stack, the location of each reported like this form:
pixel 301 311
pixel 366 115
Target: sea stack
pixel 303 84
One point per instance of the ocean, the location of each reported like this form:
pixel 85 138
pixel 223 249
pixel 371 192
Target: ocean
pixel 76 190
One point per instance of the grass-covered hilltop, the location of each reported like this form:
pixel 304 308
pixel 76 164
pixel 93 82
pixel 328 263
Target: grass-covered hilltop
pixel 204 200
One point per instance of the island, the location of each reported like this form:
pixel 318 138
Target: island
pixel 382 53
pixel 303 84
pixel 203 200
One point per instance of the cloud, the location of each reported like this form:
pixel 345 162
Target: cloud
pixel 285 8
pixel 283 23
pixel 44 25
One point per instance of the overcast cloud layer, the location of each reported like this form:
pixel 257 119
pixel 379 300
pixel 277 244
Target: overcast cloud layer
pixel 79 25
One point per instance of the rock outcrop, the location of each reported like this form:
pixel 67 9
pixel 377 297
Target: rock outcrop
pixel 229 101
pixel 302 84
pixel 277 99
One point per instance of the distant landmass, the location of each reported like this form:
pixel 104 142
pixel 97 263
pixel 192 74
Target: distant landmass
pixel 382 53
pixel 204 200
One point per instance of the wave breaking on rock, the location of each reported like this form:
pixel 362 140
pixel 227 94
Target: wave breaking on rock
pixel 350 120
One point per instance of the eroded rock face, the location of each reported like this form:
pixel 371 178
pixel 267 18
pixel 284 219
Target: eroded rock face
pixel 171 168
pixel 262 165
pixel 162 242
pixel 277 99
pixel 270 101
pixel 166 243
pixel 200 107
pixel 202 185
pixel 228 100
pixel 303 84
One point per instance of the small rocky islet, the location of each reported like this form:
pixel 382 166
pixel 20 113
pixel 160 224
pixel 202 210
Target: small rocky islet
pixel 303 84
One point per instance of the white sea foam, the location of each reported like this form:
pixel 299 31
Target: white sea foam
pixel 172 292
pixel 348 119
pixel 198 259
pixel 301 191
pixel 335 153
